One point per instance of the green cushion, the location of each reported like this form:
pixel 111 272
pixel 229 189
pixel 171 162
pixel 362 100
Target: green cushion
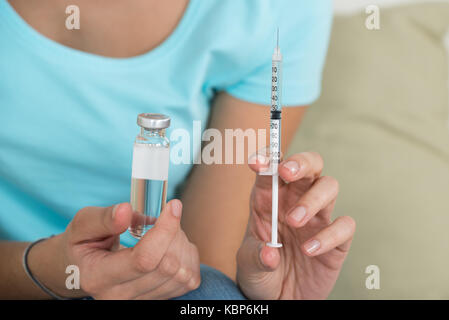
pixel 382 126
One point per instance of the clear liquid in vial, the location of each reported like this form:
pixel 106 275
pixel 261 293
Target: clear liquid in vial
pixel 148 199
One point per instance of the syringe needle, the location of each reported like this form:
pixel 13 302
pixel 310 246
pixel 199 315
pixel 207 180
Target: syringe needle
pixel 277 38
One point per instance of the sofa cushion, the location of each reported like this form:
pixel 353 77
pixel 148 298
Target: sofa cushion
pixel 382 126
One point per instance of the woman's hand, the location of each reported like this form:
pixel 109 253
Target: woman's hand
pixel 163 264
pixel 314 248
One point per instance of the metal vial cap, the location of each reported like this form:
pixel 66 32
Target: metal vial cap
pixel 153 121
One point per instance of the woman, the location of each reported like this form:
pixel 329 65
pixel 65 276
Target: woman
pixel 69 98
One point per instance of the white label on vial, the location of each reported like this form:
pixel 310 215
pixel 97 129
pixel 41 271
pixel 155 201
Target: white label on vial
pixel 150 162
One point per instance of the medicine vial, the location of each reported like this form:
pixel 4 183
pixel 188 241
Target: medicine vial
pixel 149 175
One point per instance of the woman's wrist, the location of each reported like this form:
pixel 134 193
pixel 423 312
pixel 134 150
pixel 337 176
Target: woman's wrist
pixel 47 262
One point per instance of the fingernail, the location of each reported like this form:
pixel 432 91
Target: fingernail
pixel 262 159
pixel 298 214
pixel 269 255
pixel 258 158
pixel 292 166
pixel 312 246
pixel 114 210
pixel 260 255
pixel 176 208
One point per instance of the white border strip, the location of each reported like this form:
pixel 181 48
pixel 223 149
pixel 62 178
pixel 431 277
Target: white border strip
pixel 354 6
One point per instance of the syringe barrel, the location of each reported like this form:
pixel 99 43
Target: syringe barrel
pixel 276 108
pixel 276 85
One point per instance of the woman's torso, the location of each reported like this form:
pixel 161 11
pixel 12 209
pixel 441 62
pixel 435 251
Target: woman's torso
pixel 68 117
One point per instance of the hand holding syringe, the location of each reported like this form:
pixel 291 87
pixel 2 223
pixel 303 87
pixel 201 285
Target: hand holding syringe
pixel 314 247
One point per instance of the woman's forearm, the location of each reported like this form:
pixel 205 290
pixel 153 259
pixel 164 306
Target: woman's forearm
pixel 44 261
pixel 216 214
pixel 14 283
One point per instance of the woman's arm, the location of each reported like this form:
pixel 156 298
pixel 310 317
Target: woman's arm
pixel 216 199
pixel 14 283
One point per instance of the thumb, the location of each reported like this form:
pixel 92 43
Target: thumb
pixel 157 240
pixel 170 217
pixel 255 256
pixel 98 222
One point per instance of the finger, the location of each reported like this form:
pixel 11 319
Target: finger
pixel 321 195
pixel 187 276
pixel 152 247
pixel 256 257
pixel 269 258
pixel 131 263
pixel 301 165
pixel 93 223
pixel 180 277
pixel 260 163
pixel 193 259
pixel 171 288
pixel 176 264
pixel 337 235
pixel 139 219
pixel 143 284
pixel 183 289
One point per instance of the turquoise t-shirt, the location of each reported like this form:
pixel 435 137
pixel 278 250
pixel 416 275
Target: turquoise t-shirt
pixel 68 118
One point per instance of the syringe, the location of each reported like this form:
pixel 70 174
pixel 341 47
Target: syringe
pixel 275 138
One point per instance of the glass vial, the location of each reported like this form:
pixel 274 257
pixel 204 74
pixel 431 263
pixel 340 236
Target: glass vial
pixel 149 172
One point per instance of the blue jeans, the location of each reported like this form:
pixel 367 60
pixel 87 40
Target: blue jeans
pixel 214 286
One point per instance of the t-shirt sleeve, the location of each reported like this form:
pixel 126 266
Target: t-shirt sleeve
pixel 304 36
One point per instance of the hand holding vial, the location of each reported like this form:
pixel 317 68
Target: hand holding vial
pixel 163 264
